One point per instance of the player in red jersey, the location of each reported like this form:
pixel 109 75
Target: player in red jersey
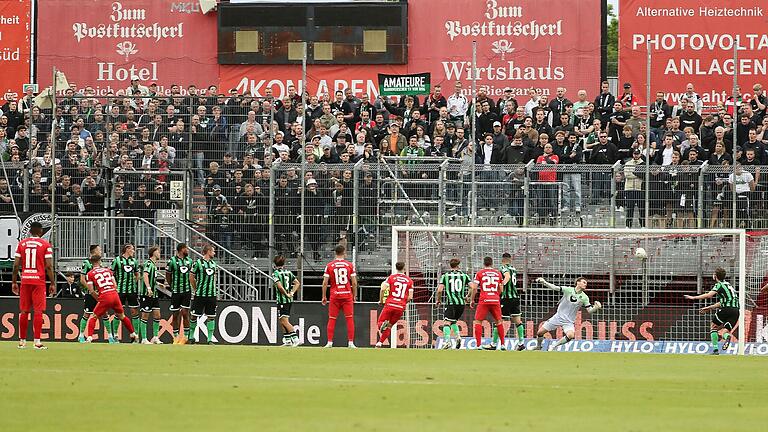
pixel 489 280
pixel 341 275
pixel 400 289
pixel 34 258
pixel 102 285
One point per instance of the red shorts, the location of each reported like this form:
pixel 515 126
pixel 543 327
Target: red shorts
pixel 483 309
pixel 106 302
pixel 32 297
pixel 343 304
pixel 391 314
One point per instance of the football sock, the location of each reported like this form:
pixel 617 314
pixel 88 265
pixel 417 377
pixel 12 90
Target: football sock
pixel 91 326
pixel 156 328
pixel 715 337
pixel 478 333
pixel 500 332
pixel 23 324
pixel 83 324
pixel 447 333
pixel 562 340
pixel 455 328
pixel 175 333
pixel 114 323
pixel 520 333
pixel 107 325
pixel 385 334
pixel 539 341
pixel 135 321
pixel 211 324
pixel 37 324
pixel 351 329
pixel 192 328
pixel 143 329
pixel 331 328
pixel 726 336
pixel 128 324
pixel 495 335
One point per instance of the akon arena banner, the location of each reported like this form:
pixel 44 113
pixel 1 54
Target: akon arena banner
pixel 104 43
pixel 15 47
pixel 256 323
pixel 520 43
pixel 693 42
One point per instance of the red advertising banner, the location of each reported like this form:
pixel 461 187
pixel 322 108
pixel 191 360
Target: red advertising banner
pixel 520 43
pixel 104 43
pixel 15 47
pixel 693 42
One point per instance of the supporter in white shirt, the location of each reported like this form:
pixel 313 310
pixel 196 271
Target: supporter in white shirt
pixel 744 180
pixel 532 103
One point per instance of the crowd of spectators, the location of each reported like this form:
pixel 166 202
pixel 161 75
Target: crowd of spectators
pixel 230 142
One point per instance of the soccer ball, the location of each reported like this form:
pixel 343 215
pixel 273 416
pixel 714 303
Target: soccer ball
pixel 641 253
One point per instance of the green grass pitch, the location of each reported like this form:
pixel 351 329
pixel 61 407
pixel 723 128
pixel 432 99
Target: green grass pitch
pixel 73 387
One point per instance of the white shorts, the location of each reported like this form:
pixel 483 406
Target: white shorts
pixel 557 321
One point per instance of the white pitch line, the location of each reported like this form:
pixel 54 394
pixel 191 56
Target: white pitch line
pixel 346 380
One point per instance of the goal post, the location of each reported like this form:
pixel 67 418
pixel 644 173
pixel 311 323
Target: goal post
pixel 644 309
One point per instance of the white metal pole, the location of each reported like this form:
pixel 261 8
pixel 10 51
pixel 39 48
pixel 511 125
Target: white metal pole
pixel 473 201
pixel 303 154
pixel 734 224
pixel 395 247
pixel 742 290
pixel 647 215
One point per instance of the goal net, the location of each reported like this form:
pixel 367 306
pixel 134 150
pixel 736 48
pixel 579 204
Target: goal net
pixel 644 309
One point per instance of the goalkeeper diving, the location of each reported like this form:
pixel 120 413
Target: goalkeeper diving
pixel 571 302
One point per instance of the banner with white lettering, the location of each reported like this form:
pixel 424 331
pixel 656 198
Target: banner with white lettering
pixel 15 48
pixel 412 84
pixel 693 42
pixel 520 44
pixel 105 43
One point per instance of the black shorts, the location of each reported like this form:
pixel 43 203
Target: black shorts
pixel 284 310
pixel 453 313
pixel 510 307
pixel 726 317
pixel 89 304
pixel 129 300
pixel 149 304
pixel 204 306
pixel 180 301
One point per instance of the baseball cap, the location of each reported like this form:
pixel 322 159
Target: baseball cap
pixel 311 182
pixel 216 187
pixel 627 85
pixel 507 89
pixel 496 124
pixel 637 151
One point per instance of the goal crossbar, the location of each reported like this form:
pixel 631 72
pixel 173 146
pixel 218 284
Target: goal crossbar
pixel 739 234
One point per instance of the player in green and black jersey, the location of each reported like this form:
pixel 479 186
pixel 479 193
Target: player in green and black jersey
pixel 126 271
pixel 510 301
pixel 457 284
pixel 89 303
pixel 177 277
pixel 148 297
pixel 727 314
pixel 286 286
pixel 203 281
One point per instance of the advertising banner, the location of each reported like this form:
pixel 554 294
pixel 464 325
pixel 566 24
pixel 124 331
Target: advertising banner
pixel 15 47
pixel 105 43
pixel 256 323
pixel 541 43
pixel 413 84
pixel 693 42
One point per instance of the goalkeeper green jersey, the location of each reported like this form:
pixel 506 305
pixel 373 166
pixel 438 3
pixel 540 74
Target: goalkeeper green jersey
pixel 726 295
pixel 205 277
pixel 510 288
pixel 87 266
pixel 570 304
pixel 150 269
pixel 125 270
pixel 179 269
pixel 286 278
pixel 456 284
